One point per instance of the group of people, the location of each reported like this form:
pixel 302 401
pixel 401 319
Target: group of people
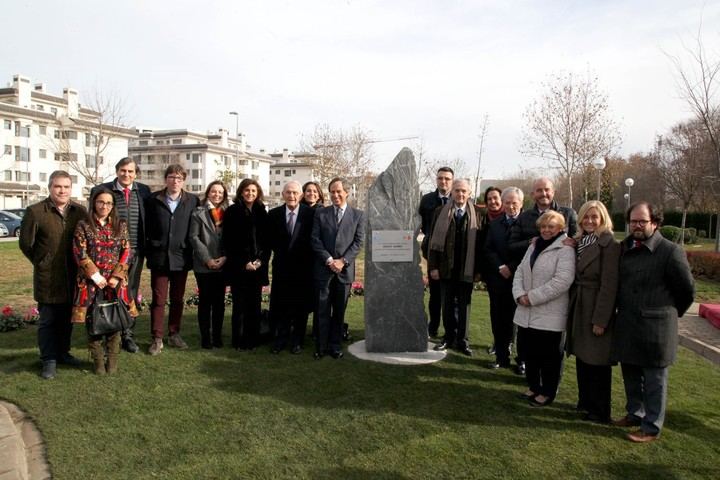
pixel 560 284
pixel 84 256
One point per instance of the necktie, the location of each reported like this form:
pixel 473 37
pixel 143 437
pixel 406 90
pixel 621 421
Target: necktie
pixel 339 215
pixel 458 214
pixel 290 222
pixel 444 200
pixel 637 244
pixel 127 196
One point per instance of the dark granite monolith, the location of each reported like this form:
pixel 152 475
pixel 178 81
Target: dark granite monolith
pixel 394 310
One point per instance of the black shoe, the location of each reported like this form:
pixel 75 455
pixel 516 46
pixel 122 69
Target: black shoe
pixel 317 355
pixel 592 417
pixel 296 350
pixel 433 334
pixel 49 369
pixel 466 351
pixel 337 354
pixel 347 337
pixel 520 368
pixel 217 343
pixel 535 403
pixel 441 347
pixel 129 345
pixel 491 350
pixel 275 350
pixel 68 359
pixel 206 344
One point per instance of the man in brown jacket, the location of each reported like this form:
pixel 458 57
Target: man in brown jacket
pixel 46 240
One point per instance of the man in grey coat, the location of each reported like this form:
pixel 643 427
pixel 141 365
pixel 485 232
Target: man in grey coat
pixel 656 287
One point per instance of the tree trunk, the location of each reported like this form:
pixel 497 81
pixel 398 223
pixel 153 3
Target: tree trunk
pixel 570 190
pixel 682 226
pixel 717 234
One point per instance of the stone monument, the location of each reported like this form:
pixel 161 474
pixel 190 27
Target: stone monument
pixel 394 309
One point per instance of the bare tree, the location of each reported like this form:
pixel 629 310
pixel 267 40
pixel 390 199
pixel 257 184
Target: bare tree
pixel 482 135
pixel 570 125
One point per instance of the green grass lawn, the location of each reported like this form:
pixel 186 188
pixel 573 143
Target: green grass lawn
pixel 201 414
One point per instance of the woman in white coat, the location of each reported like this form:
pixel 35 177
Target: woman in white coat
pixel 541 289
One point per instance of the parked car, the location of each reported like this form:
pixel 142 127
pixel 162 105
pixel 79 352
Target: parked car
pixel 11 222
pixel 20 212
pixel 3 230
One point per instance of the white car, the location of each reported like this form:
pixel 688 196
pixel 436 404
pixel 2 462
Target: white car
pixel 3 231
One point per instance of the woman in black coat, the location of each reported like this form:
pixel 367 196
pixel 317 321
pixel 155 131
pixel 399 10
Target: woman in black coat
pixel 247 250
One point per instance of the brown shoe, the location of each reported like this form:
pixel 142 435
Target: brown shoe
pixel 156 346
pixel 626 421
pixel 175 340
pixel 641 437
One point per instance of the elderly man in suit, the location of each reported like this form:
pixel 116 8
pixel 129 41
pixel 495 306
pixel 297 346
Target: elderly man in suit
pixel 130 197
pixel 656 287
pixel 337 236
pixel 290 227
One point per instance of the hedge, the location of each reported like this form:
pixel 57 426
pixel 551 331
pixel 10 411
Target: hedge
pixel 705 264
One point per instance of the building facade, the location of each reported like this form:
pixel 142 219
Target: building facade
pixel 41 133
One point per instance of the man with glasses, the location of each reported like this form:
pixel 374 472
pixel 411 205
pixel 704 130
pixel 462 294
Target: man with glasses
pixel 46 236
pixel 656 287
pixel 169 255
pixel 130 197
pixel 428 203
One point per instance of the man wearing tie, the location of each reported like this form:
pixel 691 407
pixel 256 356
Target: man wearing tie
pixel 428 203
pixel 130 197
pixel 453 259
pixel 290 226
pixel 337 236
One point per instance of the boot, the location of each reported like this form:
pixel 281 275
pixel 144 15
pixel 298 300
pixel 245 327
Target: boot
pixel 98 356
pixel 113 347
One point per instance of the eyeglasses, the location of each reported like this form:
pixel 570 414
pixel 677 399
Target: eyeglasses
pixel 100 203
pixel 175 178
pixel 639 223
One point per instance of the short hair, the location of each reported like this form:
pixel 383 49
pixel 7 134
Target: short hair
pixel 292 182
pixel 246 183
pixel 465 181
pixel 515 190
pixel 543 179
pixel 549 216
pixel 225 192
pixel 126 161
pixel 58 174
pixel 446 169
pixel 177 169
pixel 492 189
pixel 321 199
pixel 656 216
pixel 606 224
pixel 345 184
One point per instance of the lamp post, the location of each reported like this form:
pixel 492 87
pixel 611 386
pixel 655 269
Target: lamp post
pixel 629 182
pixel 237 158
pixel 599 164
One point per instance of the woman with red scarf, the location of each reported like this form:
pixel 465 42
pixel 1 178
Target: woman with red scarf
pixel 102 252
pixel 206 226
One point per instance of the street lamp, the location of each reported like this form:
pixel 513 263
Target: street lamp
pixel 629 182
pixel 599 164
pixel 237 158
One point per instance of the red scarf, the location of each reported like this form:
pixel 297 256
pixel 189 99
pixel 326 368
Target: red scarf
pixel 217 215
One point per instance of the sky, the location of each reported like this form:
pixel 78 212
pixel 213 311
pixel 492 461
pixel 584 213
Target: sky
pixel 426 69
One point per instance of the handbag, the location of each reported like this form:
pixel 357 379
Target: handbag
pixel 108 316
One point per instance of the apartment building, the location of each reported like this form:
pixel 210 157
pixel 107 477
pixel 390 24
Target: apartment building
pixel 41 133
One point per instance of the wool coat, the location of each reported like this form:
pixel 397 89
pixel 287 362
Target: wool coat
pixel 592 300
pixel 547 285
pixel 205 240
pixel 167 244
pixel 46 240
pixel 656 287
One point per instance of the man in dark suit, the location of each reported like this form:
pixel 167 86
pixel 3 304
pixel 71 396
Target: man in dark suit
pixel 428 203
pixel 525 229
pixel 290 227
pixel 656 287
pixel 337 236
pixel 130 197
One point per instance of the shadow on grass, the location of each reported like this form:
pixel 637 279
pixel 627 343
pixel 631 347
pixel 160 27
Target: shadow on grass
pixel 635 470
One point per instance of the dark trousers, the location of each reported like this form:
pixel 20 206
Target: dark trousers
pixel 54 330
pixel 543 359
pixel 134 273
pixel 594 387
pixel 332 298
pixel 646 392
pixel 211 308
pixel 289 315
pixel 456 297
pixel 502 311
pixel 434 305
pixel 246 297
pixel 161 282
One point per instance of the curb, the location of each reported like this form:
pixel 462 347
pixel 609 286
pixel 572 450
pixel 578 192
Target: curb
pixel 22 450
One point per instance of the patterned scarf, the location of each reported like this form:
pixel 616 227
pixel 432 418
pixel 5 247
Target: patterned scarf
pixel 217 214
pixel 586 240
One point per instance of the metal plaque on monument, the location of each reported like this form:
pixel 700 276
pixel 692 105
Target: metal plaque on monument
pixel 394 310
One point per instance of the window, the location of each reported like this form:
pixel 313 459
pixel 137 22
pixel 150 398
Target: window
pixel 196 188
pixel 288 173
pixel 143 143
pixel 8 150
pixel 53 110
pixel 42 129
pixel 22 176
pixel 7 124
pixel 277 172
pixel 22 154
pixel 277 194
pixel 21 131
pixel 91 140
pixel 277 182
pixel 187 157
pixel 150 159
pixel 73 178
pixel 8 175
pixel 66 134
pixel 255 165
pixel 294 171
pixel 43 177
pixel 177 141
pixel 195 158
pixel 195 173
pixel 66 157
pixel 242 162
pixel 164 159
pixel 150 174
pixel 42 153
pixel 90 161
pixel 40 108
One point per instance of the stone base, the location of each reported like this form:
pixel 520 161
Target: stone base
pixel 397 358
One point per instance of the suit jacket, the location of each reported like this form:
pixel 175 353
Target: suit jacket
pixel 496 254
pixel 525 228
pixel 428 203
pixel 144 193
pixel 337 241
pixel 205 240
pixel 592 301
pixel 656 287
pixel 167 236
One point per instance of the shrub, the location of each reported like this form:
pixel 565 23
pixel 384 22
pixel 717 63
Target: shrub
pixel 702 234
pixel 705 264
pixel 690 235
pixel 671 233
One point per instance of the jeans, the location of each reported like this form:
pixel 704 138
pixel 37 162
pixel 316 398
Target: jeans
pixel 54 330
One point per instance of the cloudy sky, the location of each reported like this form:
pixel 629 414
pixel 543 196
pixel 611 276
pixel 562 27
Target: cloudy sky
pixel 421 68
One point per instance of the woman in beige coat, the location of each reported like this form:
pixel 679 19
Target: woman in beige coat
pixel 593 306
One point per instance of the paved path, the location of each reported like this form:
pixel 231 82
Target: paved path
pixel 699 335
pixel 22 451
